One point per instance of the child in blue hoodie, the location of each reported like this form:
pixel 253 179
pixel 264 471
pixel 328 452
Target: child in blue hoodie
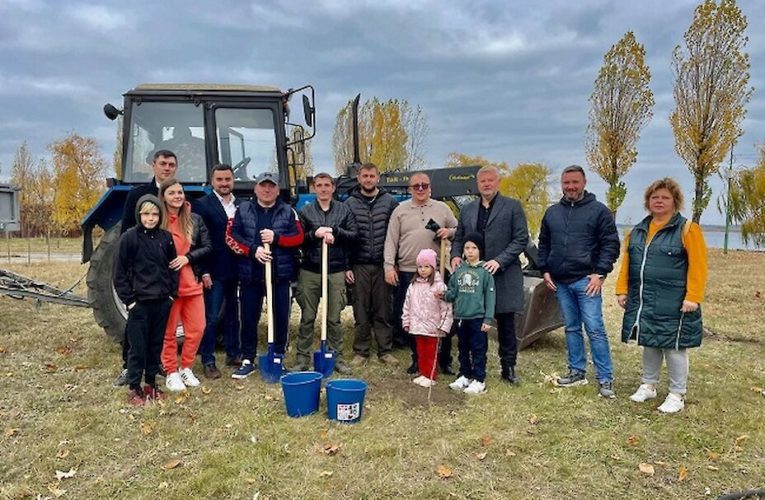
pixel 471 289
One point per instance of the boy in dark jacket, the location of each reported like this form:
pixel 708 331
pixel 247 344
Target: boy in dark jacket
pixel 146 285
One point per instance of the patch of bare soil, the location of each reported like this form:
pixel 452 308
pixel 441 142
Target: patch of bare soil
pixel 413 395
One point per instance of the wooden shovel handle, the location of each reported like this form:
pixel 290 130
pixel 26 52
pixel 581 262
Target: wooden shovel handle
pixel 269 301
pixel 324 294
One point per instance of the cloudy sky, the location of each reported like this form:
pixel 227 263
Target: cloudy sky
pixel 505 80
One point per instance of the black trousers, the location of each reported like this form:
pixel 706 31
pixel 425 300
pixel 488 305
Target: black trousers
pixel 508 344
pixel 146 333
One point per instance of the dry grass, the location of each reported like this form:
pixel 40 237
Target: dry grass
pixel 59 412
pixel 20 246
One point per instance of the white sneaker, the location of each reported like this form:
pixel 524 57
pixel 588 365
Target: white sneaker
pixel 174 382
pixel 644 393
pixel 188 377
pixel 424 381
pixel 673 404
pixel 475 387
pixel 460 384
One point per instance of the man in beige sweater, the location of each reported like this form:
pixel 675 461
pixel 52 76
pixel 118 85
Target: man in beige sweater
pixel 406 236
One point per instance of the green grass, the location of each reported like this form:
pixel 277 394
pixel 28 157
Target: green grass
pixel 59 412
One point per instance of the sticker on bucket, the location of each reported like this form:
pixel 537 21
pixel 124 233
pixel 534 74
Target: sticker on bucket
pixel 348 411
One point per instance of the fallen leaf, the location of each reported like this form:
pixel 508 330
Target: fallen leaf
pixel 64 349
pixel 206 390
pixel 534 420
pixel 485 440
pixel 481 456
pixel 239 387
pixel 65 475
pixel 172 464
pixel 3 350
pixel 11 432
pixel 662 464
pixel 50 367
pixel 510 453
pixel 163 485
pixel 325 473
pixel 646 469
pixel 147 428
pixel 331 449
pixel 633 440
pixel 256 496
pixel 682 473
pixel 57 492
pixel 193 417
pixel 711 455
pixel 739 441
pixel 80 368
pixel 444 472
pixel 253 439
pixel 62 454
pixel 268 397
pixel 712 467
pixel 183 396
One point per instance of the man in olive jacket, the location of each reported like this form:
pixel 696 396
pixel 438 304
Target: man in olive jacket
pixel 502 223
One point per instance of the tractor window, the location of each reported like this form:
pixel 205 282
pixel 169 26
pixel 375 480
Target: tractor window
pixel 176 126
pixel 247 141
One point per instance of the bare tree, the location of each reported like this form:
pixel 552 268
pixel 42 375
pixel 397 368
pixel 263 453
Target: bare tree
pixel 711 91
pixel 620 107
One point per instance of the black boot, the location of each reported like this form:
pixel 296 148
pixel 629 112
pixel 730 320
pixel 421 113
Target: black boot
pixel 509 376
pixel 413 367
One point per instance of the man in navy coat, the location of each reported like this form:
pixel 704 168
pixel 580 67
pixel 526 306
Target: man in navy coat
pixel 220 284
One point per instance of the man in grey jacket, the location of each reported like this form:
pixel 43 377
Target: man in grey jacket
pixel 502 223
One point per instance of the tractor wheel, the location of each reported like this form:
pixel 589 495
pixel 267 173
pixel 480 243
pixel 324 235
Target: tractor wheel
pixel 109 311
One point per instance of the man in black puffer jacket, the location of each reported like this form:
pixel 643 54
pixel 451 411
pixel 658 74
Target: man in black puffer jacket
pixel 372 208
pixel 324 220
pixel 578 245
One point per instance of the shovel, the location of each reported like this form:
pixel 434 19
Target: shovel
pixel 324 359
pixel 271 364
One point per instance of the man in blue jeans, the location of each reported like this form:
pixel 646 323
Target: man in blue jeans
pixel 578 245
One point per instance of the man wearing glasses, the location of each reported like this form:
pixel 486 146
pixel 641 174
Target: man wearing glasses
pixel 406 236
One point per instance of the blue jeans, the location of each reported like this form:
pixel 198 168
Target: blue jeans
pixel 214 297
pixel 578 308
pixel 472 344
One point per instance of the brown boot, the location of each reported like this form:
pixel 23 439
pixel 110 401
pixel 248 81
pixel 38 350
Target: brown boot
pixel 212 372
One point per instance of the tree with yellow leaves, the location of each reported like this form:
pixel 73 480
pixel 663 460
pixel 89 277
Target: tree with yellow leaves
pixel 37 192
pixel 711 90
pixel 391 135
pixel 79 170
pixel 526 182
pixel 747 201
pixel 620 107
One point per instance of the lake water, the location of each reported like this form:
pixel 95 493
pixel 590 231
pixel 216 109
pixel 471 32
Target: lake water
pixel 715 239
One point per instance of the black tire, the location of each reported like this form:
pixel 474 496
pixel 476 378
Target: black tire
pixel 109 312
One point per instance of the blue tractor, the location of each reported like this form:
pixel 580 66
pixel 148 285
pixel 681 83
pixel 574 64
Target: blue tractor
pixel 250 128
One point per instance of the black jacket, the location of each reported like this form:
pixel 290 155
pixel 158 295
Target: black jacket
pixel 142 265
pixel 201 247
pixel 343 224
pixel 577 239
pixel 372 222
pixel 128 213
pixel 222 261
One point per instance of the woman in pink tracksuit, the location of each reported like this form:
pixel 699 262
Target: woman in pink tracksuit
pixel 426 316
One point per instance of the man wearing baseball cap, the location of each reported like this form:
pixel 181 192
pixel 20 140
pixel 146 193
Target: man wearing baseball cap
pixel 267 220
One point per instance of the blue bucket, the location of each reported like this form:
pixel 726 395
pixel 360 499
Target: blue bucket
pixel 345 399
pixel 301 392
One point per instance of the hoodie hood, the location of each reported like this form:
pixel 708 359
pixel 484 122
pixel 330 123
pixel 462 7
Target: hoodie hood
pixel 151 199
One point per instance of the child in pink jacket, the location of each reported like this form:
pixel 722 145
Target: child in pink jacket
pixel 426 316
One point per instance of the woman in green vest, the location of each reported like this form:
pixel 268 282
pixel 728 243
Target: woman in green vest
pixel 660 287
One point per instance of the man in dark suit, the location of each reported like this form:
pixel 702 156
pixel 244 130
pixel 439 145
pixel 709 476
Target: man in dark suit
pixel 164 165
pixel 220 284
pixel 502 223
